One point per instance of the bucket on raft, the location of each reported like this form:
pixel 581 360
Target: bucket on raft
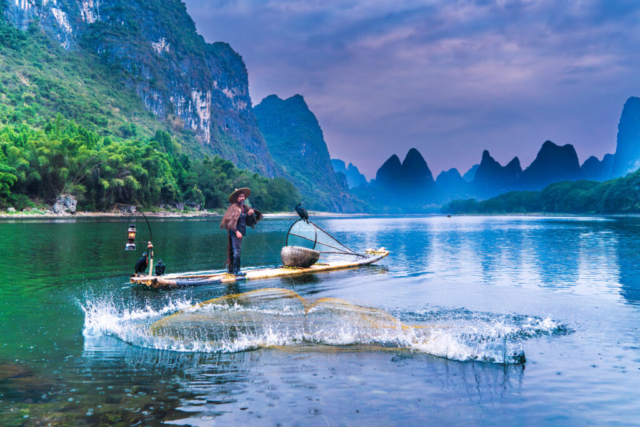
pixel 295 256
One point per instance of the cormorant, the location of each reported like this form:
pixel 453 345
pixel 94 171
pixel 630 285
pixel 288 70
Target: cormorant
pixel 142 264
pixel 303 213
pixel 160 268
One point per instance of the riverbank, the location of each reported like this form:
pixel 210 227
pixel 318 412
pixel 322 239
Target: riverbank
pixel 159 214
pixel 214 214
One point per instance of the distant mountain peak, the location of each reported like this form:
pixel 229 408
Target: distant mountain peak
pixel 627 157
pixel 552 164
pixel 353 175
pixel 339 165
pixel 295 99
pixel 513 167
pixel 450 185
pixel 413 152
pixel 389 172
pixel 452 173
pixel 413 174
pixel 514 164
pixel 551 147
pixel 297 144
pixel 471 173
pixel 415 169
pixel 271 98
pixel 596 170
pixel 414 160
pixel 393 160
pixel 491 178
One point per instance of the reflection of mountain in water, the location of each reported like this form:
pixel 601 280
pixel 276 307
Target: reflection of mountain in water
pixel 559 263
pixel 516 252
pixel 628 259
pixel 556 253
pixel 630 282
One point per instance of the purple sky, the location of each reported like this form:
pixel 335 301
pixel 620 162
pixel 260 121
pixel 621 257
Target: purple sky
pixel 448 77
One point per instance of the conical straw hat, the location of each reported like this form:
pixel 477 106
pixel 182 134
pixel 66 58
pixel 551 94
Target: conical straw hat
pixel 234 195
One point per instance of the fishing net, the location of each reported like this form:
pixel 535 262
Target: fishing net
pixel 308 235
pixel 282 318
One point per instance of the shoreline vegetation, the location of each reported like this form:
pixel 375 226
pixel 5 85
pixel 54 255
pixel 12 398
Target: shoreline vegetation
pixel 68 166
pixel 615 196
pixel 158 214
pixel 215 214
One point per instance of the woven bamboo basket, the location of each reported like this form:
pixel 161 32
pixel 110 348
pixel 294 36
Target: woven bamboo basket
pixel 295 256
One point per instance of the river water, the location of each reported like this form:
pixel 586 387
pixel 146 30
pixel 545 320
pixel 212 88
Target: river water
pixel 482 320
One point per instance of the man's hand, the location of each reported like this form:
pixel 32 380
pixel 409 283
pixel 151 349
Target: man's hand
pixel 251 212
pixel 238 235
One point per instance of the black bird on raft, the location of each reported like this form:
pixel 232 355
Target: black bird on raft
pixel 142 264
pixel 160 268
pixel 304 215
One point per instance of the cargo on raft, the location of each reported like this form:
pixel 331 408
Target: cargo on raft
pixel 194 279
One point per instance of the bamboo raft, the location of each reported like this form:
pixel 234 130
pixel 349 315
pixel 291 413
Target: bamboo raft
pixel 185 279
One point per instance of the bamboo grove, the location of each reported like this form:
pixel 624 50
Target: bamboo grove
pixel 38 165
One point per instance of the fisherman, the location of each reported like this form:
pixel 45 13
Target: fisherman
pixel 235 221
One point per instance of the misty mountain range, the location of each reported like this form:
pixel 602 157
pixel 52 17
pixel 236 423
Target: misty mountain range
pixel 396 180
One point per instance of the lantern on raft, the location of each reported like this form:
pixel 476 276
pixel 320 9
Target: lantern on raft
pixel 131 242
pixel 131 237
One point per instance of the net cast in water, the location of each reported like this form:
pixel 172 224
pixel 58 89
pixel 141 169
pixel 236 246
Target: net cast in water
pixel 281 318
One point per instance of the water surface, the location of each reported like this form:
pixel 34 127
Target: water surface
pixel 564 293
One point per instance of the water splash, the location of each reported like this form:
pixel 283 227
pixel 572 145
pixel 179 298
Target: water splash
pixel 108 316
pixel 484 336
pixel 280 318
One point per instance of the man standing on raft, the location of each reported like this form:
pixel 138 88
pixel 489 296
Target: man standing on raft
pixel 236 220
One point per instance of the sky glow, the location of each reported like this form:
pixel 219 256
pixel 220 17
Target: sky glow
pixel 450 78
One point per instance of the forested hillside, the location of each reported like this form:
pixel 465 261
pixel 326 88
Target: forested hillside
pixel 68 125
pixel 38 165
pixel 39 80
pixel 296 142
pixel 152 51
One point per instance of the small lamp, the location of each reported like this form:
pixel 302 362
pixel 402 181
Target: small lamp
pixel 131 237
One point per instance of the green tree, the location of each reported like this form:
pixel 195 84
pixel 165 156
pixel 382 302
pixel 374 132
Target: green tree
pixel 64 157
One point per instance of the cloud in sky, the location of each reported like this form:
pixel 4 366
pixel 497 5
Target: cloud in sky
pixel 448 77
